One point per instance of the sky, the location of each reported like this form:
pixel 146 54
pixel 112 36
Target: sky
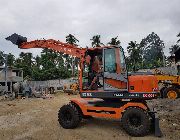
pixel 130 20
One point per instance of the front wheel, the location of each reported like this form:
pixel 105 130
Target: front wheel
pixel 136 122
pixel 69 116
pixel 171 93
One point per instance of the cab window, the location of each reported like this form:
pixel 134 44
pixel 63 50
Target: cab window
pixel 109 60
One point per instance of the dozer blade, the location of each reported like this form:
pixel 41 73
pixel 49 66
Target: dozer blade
pixel 16 39
pixel 157 130
pixel 155 125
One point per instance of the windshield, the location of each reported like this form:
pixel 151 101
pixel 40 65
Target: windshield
pixel 110 61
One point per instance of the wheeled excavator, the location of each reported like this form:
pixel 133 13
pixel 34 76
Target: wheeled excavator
pixel 109 93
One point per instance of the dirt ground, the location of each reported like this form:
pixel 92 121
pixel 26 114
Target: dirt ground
pixel 36 119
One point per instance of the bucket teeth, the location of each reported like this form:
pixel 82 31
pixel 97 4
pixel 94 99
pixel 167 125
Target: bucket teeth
pixel 16 39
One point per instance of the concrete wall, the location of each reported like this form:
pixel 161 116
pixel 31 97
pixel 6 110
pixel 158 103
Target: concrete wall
pixel 165 70
pixel 169 70
pixel 57 84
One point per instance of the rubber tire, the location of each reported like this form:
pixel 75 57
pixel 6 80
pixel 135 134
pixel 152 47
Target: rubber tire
pixel 73 112
pixel 162 91
pixel 87 117
pixel 171 88
pixel 81 113
pixel 133 130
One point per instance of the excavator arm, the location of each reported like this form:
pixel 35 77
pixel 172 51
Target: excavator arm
pixel 49 44
pixel 55 45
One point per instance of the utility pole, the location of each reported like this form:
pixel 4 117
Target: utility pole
pixel 164 62
pixel 5 71
pixel 73 67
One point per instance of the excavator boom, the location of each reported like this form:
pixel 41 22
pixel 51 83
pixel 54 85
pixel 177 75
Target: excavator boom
pixel 55 45
pixel 49 44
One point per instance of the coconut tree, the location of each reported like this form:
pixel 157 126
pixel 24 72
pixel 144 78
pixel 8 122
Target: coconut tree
pixel 173 48
pixel 10 59
pixel 73 41
pixel 134 54
pixel 96 42
pixel 179 38
pixel 114 41
pixel 1 58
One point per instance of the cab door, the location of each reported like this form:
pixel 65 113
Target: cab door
pixel 114 69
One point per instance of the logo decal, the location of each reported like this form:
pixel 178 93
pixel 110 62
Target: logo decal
pixel 87 94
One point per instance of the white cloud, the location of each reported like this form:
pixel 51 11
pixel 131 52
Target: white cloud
pixel 129 19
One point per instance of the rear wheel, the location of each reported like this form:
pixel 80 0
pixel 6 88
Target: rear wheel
pixel 171 93
pixel 136 122
pixel 69 117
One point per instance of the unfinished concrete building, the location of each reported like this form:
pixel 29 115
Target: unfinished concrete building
pixel 13 75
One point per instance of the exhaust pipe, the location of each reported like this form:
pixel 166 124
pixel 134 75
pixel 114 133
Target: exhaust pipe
pixel 16 39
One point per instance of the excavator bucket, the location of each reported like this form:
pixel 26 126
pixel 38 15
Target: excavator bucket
pixel 16 39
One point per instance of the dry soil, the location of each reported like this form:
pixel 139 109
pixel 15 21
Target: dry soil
pixel 36 119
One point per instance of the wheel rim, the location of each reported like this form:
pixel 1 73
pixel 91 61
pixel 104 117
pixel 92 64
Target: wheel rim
pixel 66 116
pixel 172 94
pixel 135 121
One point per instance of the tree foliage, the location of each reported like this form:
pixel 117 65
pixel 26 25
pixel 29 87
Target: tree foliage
pixel 179 38
pixel 49 65
pixel 10 59
pixel 147 54
pixel 73 41
pixel 152 51
pixel 114 41
pixel 134 58
pixel 24 62
pixel 173 48
pixel 1 58
pixel 96 42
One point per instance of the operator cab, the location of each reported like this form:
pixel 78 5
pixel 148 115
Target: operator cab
pixel 105 71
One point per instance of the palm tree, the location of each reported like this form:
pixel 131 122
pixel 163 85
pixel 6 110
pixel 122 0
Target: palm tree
pixel 28 59
pixel 134 54
pixel 21 55
pixel 73 41
pixel 96 42
pixel 25 62
pixel 37 61
pixel 173 48
pixel 114 41
pixel 179 37
pixel 10 60
pixel 1 58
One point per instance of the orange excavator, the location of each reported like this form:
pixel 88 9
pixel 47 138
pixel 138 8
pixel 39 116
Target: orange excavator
pixel 106 88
